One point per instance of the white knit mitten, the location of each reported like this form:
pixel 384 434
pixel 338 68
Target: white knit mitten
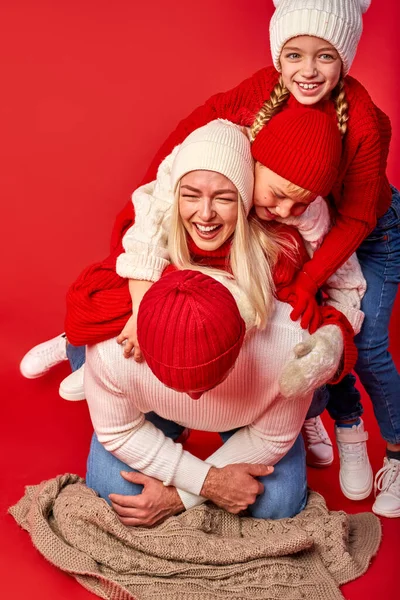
pixel 316 361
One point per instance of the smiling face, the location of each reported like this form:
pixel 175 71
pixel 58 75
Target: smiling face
pixel 275 196
pixel 208 207
pixel 311 68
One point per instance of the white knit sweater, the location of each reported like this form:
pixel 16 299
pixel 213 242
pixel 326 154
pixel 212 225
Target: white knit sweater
pixel 119 391
pixel 146 254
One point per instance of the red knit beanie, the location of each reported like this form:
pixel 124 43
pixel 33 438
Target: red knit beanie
pixel 302 145
pixel 189 330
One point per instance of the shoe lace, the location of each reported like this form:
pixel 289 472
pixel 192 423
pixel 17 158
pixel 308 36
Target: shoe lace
pixel 388 477
pixel 353 453
pixel 52 354
pixel 315 432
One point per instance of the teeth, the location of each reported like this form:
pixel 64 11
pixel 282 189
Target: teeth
pixel 308 86
pixel 206 228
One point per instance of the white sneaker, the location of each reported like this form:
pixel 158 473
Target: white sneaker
pixel 387 483
pixel 355 470
pixel 318 443
pixel 43 357
pixel 72 388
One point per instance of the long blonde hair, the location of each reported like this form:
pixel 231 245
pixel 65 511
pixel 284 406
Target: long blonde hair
pixel 280 95
pixel 253 255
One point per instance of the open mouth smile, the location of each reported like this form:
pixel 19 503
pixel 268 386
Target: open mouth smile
pixel 308 87
pixel 207 231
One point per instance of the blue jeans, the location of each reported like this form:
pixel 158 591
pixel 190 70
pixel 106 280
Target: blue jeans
pixel 379 257
pixel 76 356
pixel 285 492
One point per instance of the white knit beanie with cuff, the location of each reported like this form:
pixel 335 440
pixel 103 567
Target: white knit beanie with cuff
pixel 222 147
pixel 339 22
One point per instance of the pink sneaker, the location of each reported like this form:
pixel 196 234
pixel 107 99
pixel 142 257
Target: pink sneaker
pixel 355 473
pixel 318 444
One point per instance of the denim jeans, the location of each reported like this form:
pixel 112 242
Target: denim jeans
pixel 76 356
pixel 285 492
pixel 379 257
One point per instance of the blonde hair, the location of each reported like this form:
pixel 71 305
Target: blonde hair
pixel 280 95
pixel 341 106
pixel 253 255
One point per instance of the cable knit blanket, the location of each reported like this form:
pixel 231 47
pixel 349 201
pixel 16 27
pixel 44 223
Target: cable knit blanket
pixel 203 554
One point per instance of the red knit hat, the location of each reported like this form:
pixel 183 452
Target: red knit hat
pixel 302 145
pixel 189 330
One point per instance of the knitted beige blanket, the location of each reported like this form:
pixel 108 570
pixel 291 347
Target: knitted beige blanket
pixel 202 554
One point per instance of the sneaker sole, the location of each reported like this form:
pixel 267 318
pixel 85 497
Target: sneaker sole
pixel 33 376
pixel 72 396
pixel 320 464
pixel 361 495
pixel 393 515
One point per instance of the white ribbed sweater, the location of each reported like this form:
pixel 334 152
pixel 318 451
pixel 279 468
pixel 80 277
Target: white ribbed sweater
pixel 119 391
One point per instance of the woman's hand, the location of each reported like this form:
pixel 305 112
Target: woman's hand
pixel 316 361
pixel 128 337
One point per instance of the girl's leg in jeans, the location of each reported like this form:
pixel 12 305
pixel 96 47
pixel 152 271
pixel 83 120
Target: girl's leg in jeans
pixel 379 256
pixel 76 356
pixel 285 490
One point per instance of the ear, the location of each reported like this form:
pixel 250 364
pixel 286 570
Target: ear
pixel 364 5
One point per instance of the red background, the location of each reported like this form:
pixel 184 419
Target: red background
pixel 90 89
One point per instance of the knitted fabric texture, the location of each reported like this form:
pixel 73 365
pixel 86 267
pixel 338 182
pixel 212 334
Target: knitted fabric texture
pixel 202 553
pixel 339 22
pixel 301 145
pixel 190 330
pixel 222 147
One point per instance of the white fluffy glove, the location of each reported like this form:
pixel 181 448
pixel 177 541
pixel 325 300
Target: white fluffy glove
pixel 316 361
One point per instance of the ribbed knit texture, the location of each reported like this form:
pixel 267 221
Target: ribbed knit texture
pixel 339 22
pixel 119 392
pixel 361 193
pixel 189 330
pixel 302 145
pixel 203 553
pixel 222 147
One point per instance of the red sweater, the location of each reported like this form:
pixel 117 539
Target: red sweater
pixel 361 194
pixel 99 302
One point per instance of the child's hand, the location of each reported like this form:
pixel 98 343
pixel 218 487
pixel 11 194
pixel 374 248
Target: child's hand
pixel 316 361
pixel 128 337
pixel 301 296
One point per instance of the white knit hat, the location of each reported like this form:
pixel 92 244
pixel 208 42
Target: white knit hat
pixel 222 147
pixel 339 22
